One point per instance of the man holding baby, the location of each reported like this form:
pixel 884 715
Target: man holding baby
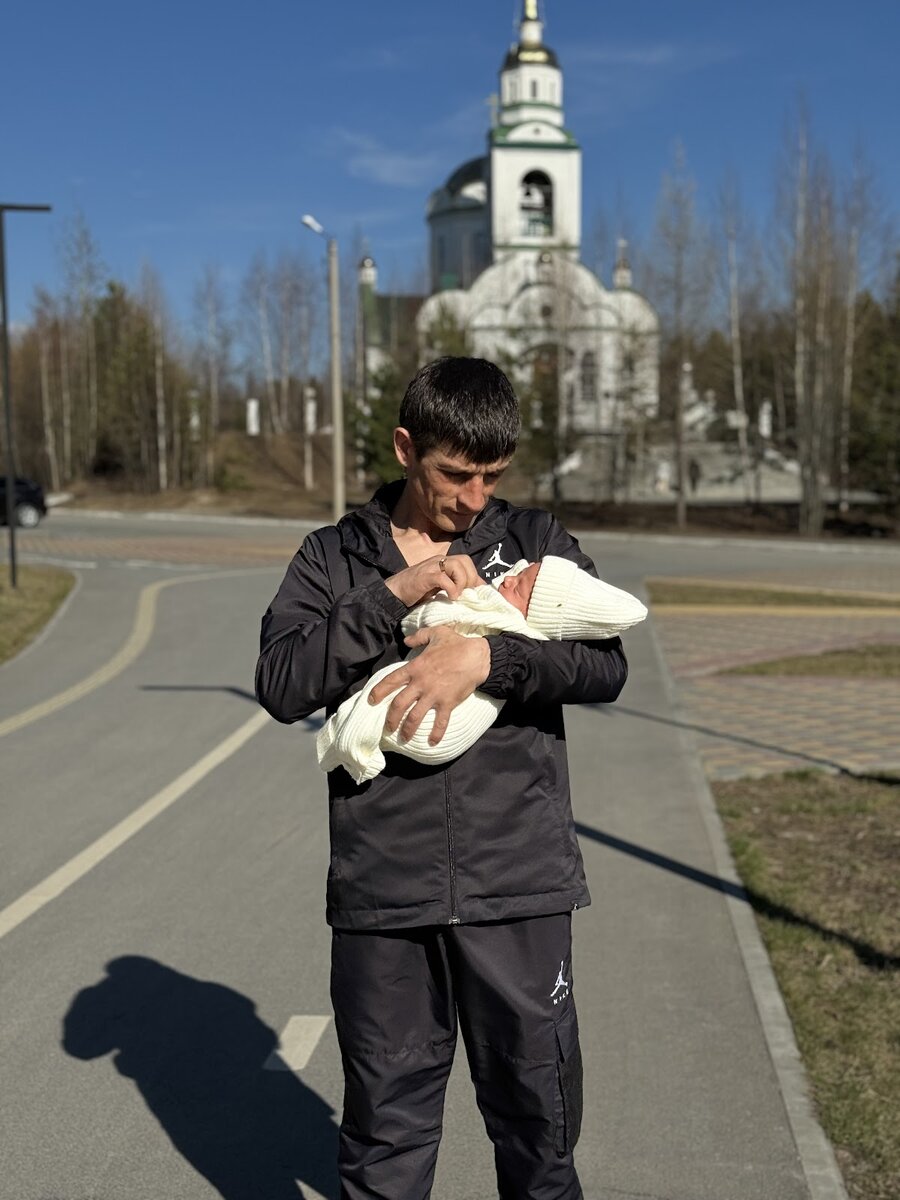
pixel 451 886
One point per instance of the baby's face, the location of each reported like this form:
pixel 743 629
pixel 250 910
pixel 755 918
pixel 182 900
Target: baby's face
pixel 517 589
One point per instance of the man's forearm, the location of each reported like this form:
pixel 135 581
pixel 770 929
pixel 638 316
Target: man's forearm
pixel 314 663
pixel 555 672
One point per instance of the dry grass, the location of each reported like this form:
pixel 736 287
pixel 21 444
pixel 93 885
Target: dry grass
pixel 25 611
pixel 668 591
pixel 819 856
pixel 872 662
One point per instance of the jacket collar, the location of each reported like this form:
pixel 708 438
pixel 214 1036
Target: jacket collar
pixel 367 531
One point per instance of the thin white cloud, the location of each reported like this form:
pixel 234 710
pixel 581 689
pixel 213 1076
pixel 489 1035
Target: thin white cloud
pixel 368 158
pixel 465 123
pixel 612 81
pixel 372 58
pixel 661 56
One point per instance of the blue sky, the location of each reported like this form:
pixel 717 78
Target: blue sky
pixel 199 132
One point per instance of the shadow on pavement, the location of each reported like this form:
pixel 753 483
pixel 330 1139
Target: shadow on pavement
pixel 313 723
pixel 195 1051
pixel 868 955
pixel 830 764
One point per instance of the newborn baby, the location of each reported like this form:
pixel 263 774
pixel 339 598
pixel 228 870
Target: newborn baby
pixel 549 600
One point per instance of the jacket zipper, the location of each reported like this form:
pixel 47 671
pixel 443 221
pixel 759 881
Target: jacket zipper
pixel 454 913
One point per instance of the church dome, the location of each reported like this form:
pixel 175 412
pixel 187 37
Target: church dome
pixel 465 188
pixel 521 56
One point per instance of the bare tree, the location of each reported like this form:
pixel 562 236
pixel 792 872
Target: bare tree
pixel 256 300
pixel 84 271
pixel 45 318
pixel 210 309
pixel 153 299
pixel 678 279
pixel 731 222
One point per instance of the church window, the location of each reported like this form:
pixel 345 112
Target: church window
pixel 534 89
pixel 588 378
pixel 536 205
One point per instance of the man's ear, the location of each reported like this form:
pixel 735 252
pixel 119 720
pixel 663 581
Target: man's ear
pixel 403 447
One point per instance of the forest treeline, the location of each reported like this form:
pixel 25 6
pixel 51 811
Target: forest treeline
pixel 801 315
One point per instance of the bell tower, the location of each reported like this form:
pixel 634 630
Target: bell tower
pixel 535 161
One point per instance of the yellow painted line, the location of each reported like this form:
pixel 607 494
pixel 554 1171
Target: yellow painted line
pixel 76 868
pixel 769 610
pixel 701 581
pixel 134 645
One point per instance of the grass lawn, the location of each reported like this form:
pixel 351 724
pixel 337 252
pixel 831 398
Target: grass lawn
pixel 819 855
pixel 670 591
pixel 25 611
pixel 875 662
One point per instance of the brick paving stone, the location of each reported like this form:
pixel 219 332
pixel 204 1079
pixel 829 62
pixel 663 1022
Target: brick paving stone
pixel 755 725
pixel 706 643
pixel 862 575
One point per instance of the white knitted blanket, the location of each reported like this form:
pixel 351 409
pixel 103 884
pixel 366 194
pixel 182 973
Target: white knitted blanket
pixel 354 737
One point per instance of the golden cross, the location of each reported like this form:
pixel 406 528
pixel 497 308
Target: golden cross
pixel 531 10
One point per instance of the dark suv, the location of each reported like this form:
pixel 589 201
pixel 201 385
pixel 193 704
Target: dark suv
pixel 30 505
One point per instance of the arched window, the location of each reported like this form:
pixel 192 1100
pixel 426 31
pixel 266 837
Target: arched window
pixel 536 205
pixel 589 378
pixel 534 89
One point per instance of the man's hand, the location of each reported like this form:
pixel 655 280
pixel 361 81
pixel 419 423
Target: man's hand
pixel 451 573
pixel 447 672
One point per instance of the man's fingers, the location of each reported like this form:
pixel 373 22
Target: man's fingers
pixel 441 721
pixel 414 719
pixel 461 570
pixel 390 683
pixel 399 707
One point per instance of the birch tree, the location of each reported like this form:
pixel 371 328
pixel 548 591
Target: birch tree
pixel 211 316
pixel 84 272
pixel 678 278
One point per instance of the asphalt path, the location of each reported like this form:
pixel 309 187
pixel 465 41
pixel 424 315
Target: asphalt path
pixel 164 981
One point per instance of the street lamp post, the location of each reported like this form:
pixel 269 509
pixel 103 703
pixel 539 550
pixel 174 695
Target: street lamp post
pixel 339 497
pixel 7 398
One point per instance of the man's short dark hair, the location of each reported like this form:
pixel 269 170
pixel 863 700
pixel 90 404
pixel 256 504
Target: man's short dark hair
pixel 464 405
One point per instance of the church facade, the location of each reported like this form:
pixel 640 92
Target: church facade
pixel 505 261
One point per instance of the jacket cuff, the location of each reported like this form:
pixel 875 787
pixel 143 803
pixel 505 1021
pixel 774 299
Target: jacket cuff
pixel 505 653
pixel 392 606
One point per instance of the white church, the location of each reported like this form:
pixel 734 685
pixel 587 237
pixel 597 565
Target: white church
pixel 505 242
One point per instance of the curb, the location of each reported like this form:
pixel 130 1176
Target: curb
pixel 789 545
pixel 817 1158
pixel 108 514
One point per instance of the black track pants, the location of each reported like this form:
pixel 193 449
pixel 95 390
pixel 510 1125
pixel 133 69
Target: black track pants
pixel 397 996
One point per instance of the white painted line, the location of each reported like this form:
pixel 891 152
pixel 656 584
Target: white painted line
pixel 298 1041
pixel 132 648
pixel 63 878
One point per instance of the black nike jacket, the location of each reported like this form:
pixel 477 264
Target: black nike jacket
pixel 489 836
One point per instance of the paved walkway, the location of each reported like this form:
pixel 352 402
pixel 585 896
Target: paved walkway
pixel 693 1084
pixel 754 725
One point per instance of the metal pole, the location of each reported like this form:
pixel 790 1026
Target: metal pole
pixel 7 404
pixel 7 398
pixel 337 398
